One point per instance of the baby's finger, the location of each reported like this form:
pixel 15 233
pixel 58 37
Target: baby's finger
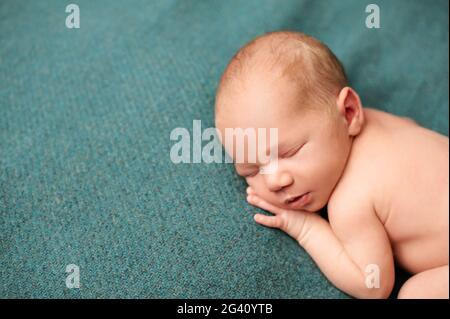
pixel 268 221
pixel 261 203
pixel 250 191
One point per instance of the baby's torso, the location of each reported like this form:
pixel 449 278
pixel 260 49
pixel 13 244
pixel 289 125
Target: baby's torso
pixel 404 170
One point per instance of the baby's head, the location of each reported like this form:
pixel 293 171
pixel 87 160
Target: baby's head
pixel 292 82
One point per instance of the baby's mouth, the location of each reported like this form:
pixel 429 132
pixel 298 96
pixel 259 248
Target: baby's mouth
pixel 297 200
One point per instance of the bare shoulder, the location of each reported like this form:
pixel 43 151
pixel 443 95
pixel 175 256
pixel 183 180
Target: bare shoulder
pixel 386 156
pixel 372 114
pixel 361 183
pixel 349 202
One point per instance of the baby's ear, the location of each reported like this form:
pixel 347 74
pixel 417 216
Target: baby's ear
pixel 349 107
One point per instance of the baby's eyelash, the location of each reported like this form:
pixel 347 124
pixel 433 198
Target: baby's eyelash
pixel 292 152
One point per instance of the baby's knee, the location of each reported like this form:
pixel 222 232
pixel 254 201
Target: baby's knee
pixel 409 291
pixel 432 283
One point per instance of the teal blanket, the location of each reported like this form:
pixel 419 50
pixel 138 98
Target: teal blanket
pixel 85 120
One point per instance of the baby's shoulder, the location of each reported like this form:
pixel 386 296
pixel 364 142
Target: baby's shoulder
pixel 351 197
pixel 364 173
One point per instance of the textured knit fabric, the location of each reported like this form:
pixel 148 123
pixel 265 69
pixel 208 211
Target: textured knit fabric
pixel 85 120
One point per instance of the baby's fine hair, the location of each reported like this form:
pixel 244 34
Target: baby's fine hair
pixel 305 61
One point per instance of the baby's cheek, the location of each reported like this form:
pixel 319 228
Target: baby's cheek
pixel 258 186
pixel 254 183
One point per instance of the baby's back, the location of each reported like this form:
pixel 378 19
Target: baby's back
pixel 406 168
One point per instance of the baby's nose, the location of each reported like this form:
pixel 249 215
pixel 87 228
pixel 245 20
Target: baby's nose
pixel 278 181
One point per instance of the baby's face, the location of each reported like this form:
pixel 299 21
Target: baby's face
pixel 313 145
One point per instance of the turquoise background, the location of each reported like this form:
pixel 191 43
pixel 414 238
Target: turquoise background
pixel 85 118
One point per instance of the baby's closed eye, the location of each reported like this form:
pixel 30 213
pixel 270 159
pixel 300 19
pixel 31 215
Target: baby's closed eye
pixel 292 151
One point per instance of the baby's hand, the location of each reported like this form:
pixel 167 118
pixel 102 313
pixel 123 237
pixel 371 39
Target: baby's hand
pixel 294 223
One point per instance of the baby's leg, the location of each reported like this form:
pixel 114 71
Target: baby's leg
pixel 432 283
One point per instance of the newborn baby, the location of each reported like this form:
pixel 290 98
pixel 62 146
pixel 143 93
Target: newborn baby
pixel 383 177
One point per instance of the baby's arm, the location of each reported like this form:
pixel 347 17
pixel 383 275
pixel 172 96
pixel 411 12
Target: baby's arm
pixel 342 253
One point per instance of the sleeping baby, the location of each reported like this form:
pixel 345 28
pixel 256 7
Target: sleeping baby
pixel 383 178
